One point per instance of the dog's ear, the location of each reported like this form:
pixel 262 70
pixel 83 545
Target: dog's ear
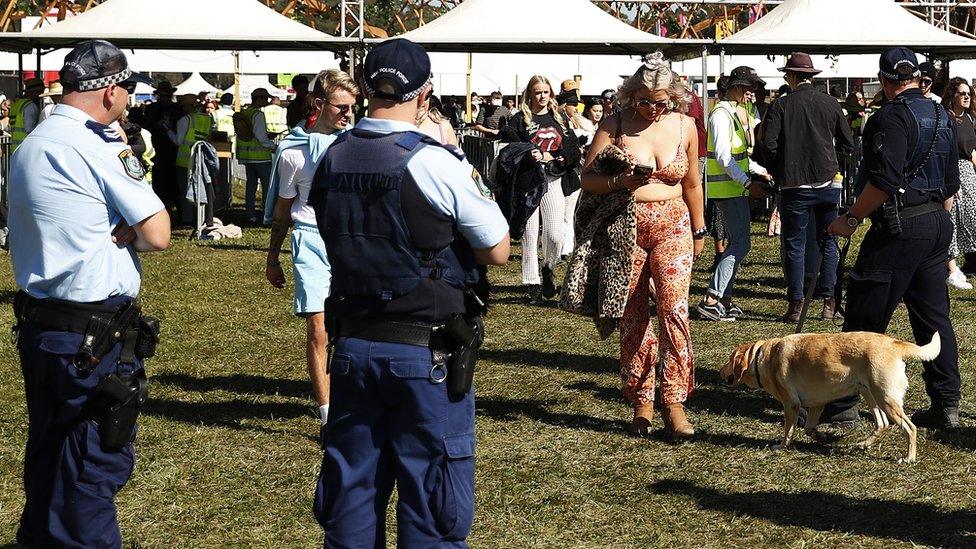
pixel 743 360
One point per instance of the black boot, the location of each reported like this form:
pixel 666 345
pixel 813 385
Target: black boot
pixel 937 417
pixel 535 294
pixel 548 283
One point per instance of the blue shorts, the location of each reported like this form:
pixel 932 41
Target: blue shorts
pixel 313 275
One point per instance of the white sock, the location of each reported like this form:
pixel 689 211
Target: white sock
pixel 324 413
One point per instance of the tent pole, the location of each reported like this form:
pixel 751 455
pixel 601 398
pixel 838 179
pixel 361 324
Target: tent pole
pixel 39 75
pixel 721 62
pixel 237 81
pixel 467 97
pixel 20 72
pixel 705 113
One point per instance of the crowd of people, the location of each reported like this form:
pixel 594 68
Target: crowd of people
pixel 392 231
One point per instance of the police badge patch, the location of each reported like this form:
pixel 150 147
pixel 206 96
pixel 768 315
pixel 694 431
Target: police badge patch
pixel 480 184
pixel 133 168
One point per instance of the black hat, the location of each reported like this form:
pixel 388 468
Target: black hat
pixel 928 70
pixel 568 97
pixel 899 64
pixel 164 87
pixel 97 64
pixel 399 63
pixel 745 76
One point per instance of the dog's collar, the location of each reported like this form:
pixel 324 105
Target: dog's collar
pixel 755 364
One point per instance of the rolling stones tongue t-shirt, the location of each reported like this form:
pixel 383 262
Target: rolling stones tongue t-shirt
pixel 545 133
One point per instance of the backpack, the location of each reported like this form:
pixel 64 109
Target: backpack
pixel 243 126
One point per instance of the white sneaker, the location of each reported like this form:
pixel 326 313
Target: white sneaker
pixel 958 280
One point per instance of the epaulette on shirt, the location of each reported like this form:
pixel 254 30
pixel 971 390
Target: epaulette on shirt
pixel 108 133
pixel 410 140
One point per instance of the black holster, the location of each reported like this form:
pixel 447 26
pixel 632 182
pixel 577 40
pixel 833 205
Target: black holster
pixel 114 406
pixel 467 335
pixel 891 216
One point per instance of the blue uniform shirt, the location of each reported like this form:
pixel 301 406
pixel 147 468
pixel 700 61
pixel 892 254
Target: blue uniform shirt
pixel 71 182
pixel 452 186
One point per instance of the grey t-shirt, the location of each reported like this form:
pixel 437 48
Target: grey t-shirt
pixel 493 117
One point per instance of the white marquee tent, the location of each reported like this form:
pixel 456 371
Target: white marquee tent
pixel 843 26
pixel 196 84
pixel 538 26
pixel 178 24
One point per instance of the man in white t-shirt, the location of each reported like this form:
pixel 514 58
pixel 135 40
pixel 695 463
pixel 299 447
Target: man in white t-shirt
pixel 293 168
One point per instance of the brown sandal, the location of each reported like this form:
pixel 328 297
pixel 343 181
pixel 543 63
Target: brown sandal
pixel 676 423
pixel 641 424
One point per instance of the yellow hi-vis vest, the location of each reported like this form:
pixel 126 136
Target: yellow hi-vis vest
pixel 199 130
pixel 224 119
pixel 252 151
pixel 719 184
pixel 276 119
pixel 18 123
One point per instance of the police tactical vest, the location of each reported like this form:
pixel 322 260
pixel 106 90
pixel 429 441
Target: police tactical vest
pixel 198 130
pixel 392 254
pixel 719 184
pixel 252 150
pixel 18 123
pixel 931 175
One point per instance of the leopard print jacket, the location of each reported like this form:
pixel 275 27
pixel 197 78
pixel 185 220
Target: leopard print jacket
pixel 598 276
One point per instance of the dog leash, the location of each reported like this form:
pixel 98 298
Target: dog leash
pixel 838 292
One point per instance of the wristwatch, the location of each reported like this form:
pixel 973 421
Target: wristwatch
pixel 852 221
pixel 700 234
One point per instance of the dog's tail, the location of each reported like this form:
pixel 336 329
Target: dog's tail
pixel 924 353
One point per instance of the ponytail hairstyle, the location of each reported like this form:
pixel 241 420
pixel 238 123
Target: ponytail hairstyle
pixel 655 74
pixel 552 107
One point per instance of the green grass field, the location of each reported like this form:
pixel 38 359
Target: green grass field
pixel 228 456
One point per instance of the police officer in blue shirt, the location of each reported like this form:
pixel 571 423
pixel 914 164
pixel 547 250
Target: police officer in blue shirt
pixel 907 179
pixel 80 210
pixel 405 222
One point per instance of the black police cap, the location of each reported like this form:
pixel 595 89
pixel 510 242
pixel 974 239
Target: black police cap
pixel 400 65
pixel 899 64
pixel 97 64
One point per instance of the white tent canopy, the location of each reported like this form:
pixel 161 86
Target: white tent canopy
pixel 178 24
pixel 196 84
pixel 843 26
pixel 537 26
pixel 251 82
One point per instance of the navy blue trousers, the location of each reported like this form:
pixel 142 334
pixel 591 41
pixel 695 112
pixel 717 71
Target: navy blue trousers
pixel 799 209
pixel 69 481
pixel 910 267
pixel 389 423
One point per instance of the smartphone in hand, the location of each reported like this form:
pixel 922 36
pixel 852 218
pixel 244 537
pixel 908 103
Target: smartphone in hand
pixel 643 169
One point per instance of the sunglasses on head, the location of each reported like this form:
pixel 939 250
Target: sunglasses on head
pixel 657 105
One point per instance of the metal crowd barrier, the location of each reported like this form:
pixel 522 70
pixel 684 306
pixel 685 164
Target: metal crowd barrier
pixel 480 151
pixel 4 174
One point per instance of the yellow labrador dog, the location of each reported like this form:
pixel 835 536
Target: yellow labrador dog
pixel 810 370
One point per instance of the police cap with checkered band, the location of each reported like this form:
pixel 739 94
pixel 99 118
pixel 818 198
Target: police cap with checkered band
pixel 397 69
pixel 899 64
pixel 97 64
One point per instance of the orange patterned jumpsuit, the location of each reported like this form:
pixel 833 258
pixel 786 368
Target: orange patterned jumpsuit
pixel 665 254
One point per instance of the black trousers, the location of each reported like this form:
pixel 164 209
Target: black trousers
pixel 909 267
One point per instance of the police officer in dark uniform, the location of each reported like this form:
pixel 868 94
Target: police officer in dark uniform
pixel 80 209
pixel 405 221
pixel 907 178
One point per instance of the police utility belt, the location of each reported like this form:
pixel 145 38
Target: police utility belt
pixel 116 400
pixel 454 344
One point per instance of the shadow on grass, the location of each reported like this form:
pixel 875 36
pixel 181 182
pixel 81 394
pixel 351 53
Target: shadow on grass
pixel 913 522
pixel 226 413
pixel 224 245
pixel 243 384
pixel 589 364
pixel 509 409
pixel 606 394
pixel 7 296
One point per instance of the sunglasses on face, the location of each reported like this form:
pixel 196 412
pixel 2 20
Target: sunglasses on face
pixel 130 87
pixel 926 82
pixel 656 105
pixel 964 94
pixel 343 109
